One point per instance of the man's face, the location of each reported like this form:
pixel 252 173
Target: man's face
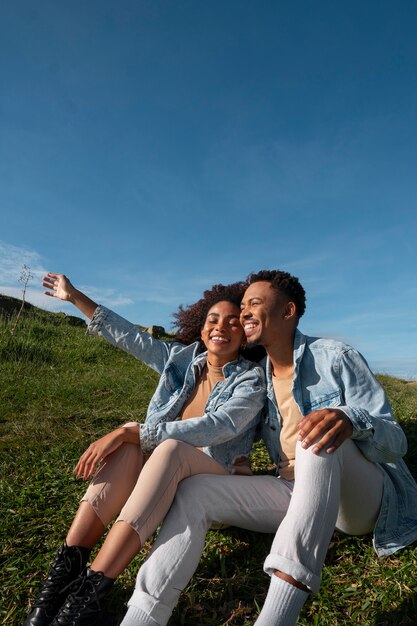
pixel 262 312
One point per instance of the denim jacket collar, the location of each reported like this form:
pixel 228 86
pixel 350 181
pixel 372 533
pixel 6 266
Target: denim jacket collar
pixel 300 341
pixel 239 365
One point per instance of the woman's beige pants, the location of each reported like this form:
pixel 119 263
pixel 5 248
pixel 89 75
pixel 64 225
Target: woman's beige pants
pixel 142 493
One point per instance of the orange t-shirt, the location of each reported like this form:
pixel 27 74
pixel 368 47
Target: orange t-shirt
pixel 196 404
pixel 290 417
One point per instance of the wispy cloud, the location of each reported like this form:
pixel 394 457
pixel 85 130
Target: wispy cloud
pixel 170 289
pixel 403 367
pixel 371 318
pixel 12 259
pixel 36 297
pixel 106 296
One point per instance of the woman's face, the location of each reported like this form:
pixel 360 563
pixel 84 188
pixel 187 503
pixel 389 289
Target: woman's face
pixel 222 333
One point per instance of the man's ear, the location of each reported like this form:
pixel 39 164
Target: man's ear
pixel 290 310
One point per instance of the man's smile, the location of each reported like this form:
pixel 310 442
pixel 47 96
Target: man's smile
pixel 249 327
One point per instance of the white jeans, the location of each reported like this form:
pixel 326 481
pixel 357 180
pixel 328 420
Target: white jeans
pixel 341 490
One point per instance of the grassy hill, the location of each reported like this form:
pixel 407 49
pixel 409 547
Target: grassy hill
pixel 59 390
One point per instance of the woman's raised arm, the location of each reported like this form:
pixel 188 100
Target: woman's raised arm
pixel 61 287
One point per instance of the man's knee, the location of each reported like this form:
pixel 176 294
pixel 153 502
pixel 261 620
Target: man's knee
pixel 308 457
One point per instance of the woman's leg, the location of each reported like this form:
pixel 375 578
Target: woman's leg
pixel 106 495
pixel 149 502
pixel 108 491
pixel 86 528
pixel 146 506
pixel 103 500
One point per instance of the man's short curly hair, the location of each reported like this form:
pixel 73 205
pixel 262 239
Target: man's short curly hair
pixel 190 320
pixel 285 283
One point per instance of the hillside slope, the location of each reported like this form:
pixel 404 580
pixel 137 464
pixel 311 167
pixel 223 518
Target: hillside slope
pixel 59 389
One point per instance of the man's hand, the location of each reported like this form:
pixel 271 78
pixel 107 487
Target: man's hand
pixel 327 429
pixel 60 285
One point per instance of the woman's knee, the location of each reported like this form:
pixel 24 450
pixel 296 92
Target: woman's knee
pixel 170 447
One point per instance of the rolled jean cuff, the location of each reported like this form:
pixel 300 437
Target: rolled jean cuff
pixel 274 562
pixel 153 607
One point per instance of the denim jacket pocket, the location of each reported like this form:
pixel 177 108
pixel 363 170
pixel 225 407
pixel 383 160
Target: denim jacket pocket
pixel 172 379
pixel 216 401
pixel 329 400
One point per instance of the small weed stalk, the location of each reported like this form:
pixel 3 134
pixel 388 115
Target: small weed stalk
pixel 24 278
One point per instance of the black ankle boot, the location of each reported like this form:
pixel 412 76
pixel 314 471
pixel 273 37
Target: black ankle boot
pixel 83 605
pixel 70 561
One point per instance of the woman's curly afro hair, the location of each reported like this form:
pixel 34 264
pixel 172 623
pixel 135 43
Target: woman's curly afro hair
pixel 190 320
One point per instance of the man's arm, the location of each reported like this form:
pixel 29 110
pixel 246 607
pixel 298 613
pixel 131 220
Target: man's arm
pixel 375 429
pixel 366 416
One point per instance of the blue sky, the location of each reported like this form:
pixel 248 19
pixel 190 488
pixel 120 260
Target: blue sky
pixel 150 149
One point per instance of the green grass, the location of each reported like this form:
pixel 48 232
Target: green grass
pixel 58 391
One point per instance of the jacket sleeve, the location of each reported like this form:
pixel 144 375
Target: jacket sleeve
pixel 375 430
pixel 127 336
pixel 229 417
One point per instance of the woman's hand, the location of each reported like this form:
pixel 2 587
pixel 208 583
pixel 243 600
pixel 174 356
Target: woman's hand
pixel 326 429
pixel 60 285
pixel 97 452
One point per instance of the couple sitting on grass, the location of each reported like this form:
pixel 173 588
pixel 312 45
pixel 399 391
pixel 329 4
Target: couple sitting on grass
pixel 324 418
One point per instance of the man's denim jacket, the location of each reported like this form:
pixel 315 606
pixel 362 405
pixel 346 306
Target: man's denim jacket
pixel 227 428
pixel 332 374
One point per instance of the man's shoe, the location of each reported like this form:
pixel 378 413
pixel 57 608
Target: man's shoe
pixel 70 561
pixel 83 605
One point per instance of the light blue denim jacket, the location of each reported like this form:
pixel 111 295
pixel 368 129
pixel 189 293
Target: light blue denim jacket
pixel 327 374
pixel 227 428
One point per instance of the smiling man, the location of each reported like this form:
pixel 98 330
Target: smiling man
pixel 329 428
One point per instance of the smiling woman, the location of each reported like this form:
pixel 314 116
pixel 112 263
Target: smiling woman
pixel 222 333
pixel 201 420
